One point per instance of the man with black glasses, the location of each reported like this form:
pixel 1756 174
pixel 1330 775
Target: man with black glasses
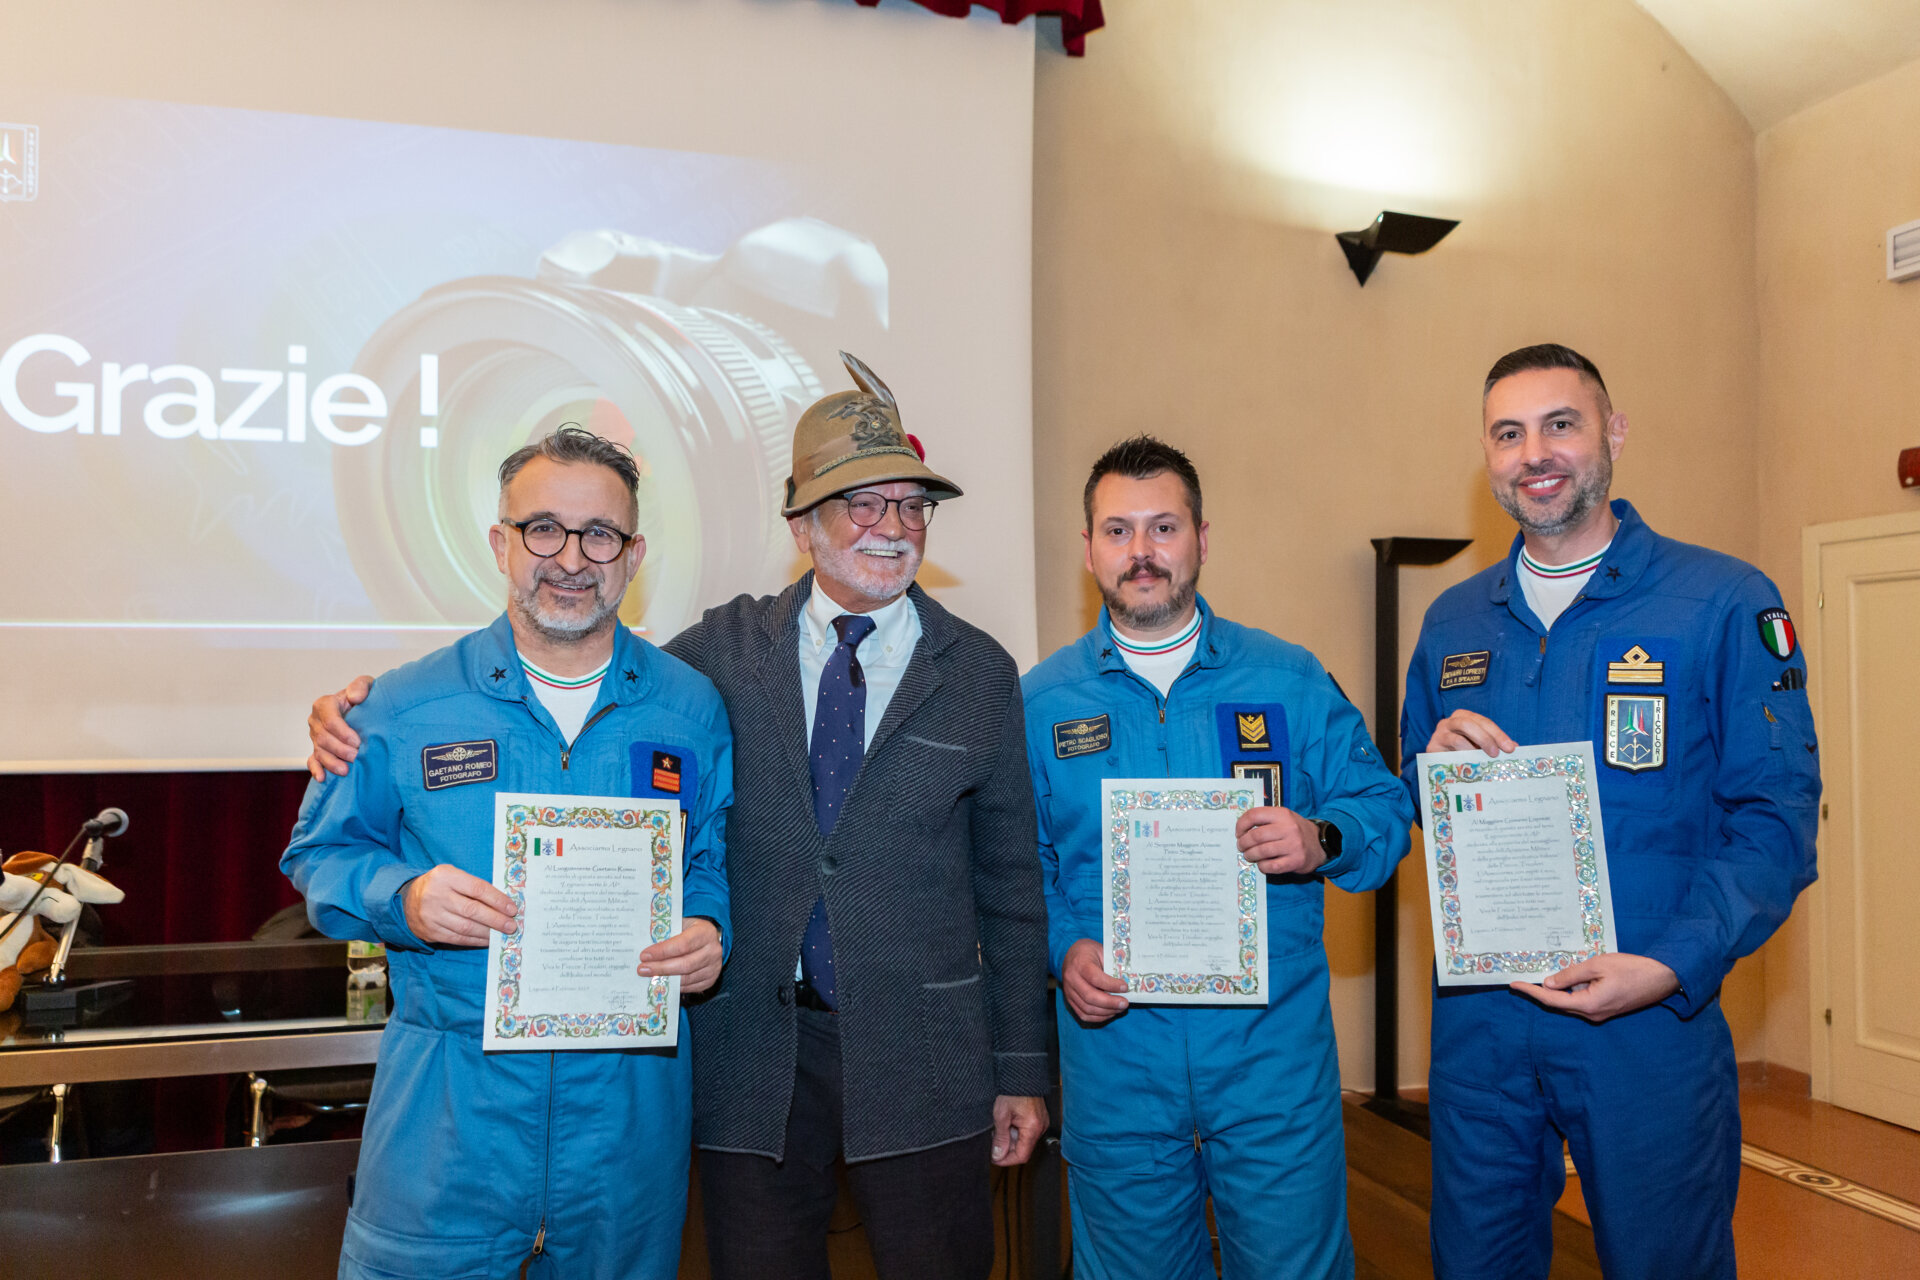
pixel 885 1000
pixel 473 1163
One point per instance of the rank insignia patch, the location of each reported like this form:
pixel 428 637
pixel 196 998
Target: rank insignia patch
pixel 1776 632
pixel 1790 679
pixel 1636 731
pixel 455 764
pixel 1252 728
pixel 1636 666
pixel 1457 670
pixel 1082 737
pixel 666 772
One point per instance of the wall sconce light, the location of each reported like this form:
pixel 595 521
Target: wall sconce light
pixel 1391 233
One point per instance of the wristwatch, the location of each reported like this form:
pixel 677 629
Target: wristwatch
pixel 1329 838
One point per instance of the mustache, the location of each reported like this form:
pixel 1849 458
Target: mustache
pixel 883 544
pixel 561 578
pixel 1149 567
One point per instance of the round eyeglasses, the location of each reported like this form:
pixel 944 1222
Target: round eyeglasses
pixel 869 509
pixel 545 538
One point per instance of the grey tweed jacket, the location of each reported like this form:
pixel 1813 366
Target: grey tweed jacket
pixel 932 882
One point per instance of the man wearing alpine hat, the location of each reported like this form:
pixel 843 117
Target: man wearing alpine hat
pixel 885 998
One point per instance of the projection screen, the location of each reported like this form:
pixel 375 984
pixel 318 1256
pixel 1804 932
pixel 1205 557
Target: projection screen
pixel 280 285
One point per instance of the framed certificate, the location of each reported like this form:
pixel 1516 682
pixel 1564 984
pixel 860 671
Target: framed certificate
pixel 597 880
pixel 1185 918
pixel 1516 863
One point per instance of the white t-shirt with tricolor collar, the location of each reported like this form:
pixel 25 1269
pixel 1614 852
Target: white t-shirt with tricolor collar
pixel 1158 662
pixel 1550 588
pixel 568 699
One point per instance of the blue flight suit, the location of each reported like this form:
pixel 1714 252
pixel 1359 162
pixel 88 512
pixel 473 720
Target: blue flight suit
pixel 1710 837
pixel 469 1156
pixel 1258 1087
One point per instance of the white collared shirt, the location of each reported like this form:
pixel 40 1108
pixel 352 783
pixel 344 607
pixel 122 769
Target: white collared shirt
pixel 883 655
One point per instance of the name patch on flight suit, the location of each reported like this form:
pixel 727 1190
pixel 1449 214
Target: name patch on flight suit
pixel 455 764
pixel 664 772
pixel 1636 731
pixel 1082 737
pixel 1457 670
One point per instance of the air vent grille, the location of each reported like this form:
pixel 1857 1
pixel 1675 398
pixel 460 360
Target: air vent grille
pixel 1903 251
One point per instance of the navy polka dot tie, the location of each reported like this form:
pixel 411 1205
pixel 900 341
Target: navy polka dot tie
pixel 839 743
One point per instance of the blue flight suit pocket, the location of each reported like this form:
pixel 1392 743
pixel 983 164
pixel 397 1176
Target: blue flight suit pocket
pixel 1253 735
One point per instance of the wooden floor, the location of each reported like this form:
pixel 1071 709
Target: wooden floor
pixel 1823 1193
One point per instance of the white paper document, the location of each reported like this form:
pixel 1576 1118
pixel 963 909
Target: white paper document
pixel 1516 862
pixel 1185 917
pixel 597 879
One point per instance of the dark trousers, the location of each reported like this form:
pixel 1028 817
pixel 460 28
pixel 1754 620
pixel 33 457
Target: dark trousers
pixel 928 1214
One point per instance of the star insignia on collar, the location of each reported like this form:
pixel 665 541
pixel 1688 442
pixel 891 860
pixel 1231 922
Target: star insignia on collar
pixel 499 673
pixel 1613 573
pixel 631 675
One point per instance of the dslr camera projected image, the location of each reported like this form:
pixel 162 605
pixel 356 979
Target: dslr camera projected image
pixel 257 373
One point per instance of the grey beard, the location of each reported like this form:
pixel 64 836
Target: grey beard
pixel 1587 495
pixel 561 628
pixel 1159 615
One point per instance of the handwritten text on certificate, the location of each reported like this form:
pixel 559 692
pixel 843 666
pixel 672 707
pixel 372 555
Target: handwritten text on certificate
pixel 597 880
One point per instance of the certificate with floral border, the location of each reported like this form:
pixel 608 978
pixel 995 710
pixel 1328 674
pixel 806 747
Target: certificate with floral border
pixel 1516 862
pixel 597 880
pixel 1185 916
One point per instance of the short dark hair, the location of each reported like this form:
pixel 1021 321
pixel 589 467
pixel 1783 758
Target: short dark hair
pixel 1547 355
pixel 1142 458
pixel 570 443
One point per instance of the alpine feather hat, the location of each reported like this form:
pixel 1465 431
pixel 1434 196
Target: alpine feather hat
pixel 852 439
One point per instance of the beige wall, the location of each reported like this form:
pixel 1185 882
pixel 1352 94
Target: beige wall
pixel 1188 176
pixel 1840 373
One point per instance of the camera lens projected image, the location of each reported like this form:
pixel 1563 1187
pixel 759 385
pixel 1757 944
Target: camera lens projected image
pixel 275 388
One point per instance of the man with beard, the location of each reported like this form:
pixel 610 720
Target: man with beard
pixel 1679 665
pixel 475 1163
pixel 885 998
pixel 1168 1105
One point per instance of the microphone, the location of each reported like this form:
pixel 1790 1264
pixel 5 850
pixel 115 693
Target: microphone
pixel 110 822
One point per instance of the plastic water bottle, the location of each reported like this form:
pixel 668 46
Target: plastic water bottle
pixel 366 982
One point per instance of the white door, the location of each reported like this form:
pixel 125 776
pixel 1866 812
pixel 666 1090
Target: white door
pixel 1863 577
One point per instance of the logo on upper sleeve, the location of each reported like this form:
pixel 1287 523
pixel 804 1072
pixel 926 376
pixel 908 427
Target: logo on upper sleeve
pixel 1082 737
pixel 1458 670
pixel 1776 632
pixel 666 772
pixel 455 764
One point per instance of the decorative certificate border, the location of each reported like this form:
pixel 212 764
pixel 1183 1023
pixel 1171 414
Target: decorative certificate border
pixel 1456 959
pixel 1248 983
pixel 509 1021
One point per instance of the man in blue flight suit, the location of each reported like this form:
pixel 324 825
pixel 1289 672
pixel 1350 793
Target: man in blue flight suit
pixel 1166 1105
pixel 474 1164
pixel 1680 666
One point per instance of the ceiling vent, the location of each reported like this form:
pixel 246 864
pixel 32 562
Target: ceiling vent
pixel 1903 251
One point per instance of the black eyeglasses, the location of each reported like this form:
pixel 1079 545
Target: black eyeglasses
pixel 545 538
pixel 869 509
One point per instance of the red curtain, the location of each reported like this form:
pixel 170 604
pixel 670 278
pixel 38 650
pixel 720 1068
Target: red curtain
pixel 199 860
pixel 1077 17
